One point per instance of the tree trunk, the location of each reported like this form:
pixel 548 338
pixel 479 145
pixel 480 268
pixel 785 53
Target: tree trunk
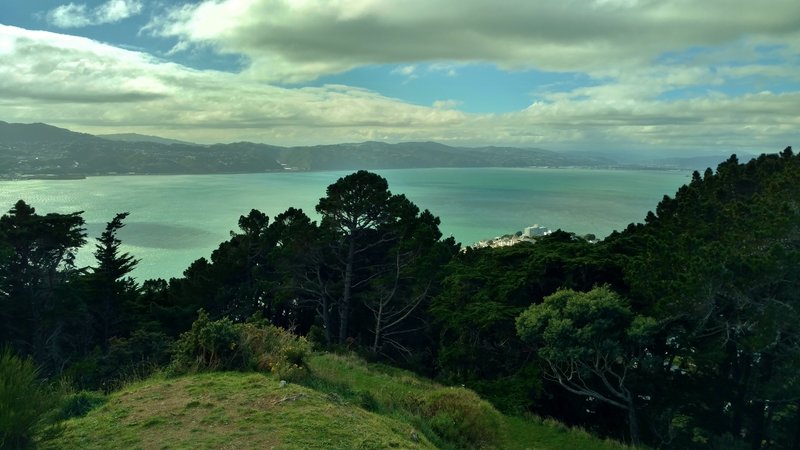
pixel 326 319
pixel 740 372
pixel 763 409
pixel 378 321
pixel 344 307
pixel 796 438
pixel 757 437
pixel 633 424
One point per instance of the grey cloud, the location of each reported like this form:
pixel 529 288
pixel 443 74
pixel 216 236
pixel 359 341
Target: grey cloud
pixel 301 41
pixel 57 96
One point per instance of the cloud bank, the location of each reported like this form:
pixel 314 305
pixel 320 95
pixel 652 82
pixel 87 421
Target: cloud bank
pixel 291 40
pixel 667 75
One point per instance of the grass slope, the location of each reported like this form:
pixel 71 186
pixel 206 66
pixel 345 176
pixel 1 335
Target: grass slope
pixel 391 388
pixel 346 404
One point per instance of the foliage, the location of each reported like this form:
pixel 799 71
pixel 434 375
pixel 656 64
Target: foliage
pixel 717 265
pixel 79 404
pixel 693 327
pixel 209 345
pixel 27 403
pixel 412 398
pixel 272 349
pixel 592 345
pixel 216 345
pixel 482 294
pixel 43 316
pixel 461 417
pixel 136 356
pixel 372 266
pixel 108 291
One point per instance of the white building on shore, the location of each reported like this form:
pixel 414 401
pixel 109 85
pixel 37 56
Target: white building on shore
pixel 536 231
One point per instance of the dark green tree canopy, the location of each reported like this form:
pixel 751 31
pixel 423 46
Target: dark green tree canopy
pixel 592 344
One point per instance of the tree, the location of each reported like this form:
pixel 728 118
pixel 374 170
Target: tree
pixel 482 293
pixel 591 344
pixel 43 315
pixel 717 264
pixel 298 259
pixel 411 269
pixel 357 210
pixel 110 292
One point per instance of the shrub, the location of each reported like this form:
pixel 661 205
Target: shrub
pixel 461 417
pixel 208 345
pixel 26 402
pixel 80 403
pixel 255 345
pixel 135 357
pixel 316 337
pixel 273 349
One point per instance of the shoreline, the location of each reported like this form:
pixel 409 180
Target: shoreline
pixel 59 177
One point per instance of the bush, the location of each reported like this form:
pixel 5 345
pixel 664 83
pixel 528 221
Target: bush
pixel 27 403
pixel 273 349
pixel 461 417
pixel 208 345
pixel 127 359
pixel 80 403
pixel 255 345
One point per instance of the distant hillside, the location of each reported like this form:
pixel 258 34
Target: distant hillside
pixel 135 137
pixel 39 150
pixel 699 163
pixel 38 133
pixel 380 155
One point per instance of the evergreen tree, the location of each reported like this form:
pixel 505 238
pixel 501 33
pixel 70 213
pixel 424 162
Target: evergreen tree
pixel 43 315
pixel 110 289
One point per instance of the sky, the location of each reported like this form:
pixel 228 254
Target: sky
pixel 656 77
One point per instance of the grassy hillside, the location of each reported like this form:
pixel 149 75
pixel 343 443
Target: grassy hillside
pixel 345 403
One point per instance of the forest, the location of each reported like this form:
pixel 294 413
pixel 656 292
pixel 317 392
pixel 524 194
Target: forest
pixel 678 332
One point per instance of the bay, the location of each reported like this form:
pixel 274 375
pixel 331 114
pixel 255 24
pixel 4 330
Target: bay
pixel 177 219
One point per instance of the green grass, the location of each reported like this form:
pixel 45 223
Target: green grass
pixel 395 389
pixel 344 404
pixel 534 433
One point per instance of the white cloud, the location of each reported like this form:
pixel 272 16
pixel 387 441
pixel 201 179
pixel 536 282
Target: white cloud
pixel 116 10
pixel 447 104
pixel 74 15
pixel 405 70
pixel 290 40
pixel 450 70
pixel 81 83
pixel 69 16
pixel 89 86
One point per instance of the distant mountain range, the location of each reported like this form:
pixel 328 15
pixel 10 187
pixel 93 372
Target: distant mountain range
pixel 136 137
pixel 40 150
pixel 699 163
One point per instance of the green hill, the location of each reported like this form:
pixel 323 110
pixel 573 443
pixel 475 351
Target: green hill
pixel 345 403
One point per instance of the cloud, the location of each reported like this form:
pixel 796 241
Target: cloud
pixel 405 70
pixel 94 87
pixel 446 104
pixel 289 40
pixel 74 15
pixel 78 82
pixel 450 70
pixel 69 16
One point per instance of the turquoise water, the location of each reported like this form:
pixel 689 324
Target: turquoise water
pixel 177 219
